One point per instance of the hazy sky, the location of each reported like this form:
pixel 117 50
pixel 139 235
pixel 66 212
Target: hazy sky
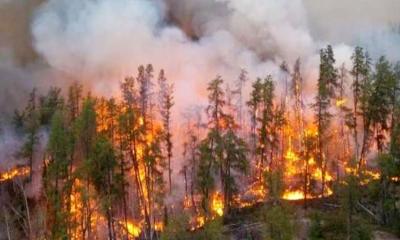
pixel 99 42
pixel 103 37
pixel 337 20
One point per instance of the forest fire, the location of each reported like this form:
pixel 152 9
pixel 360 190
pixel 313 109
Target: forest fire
pixel 341 102
pixel 133 229
pixel 293 195
pixel 14 173
pixel 248 129
pixel 197 222
pixel 217 204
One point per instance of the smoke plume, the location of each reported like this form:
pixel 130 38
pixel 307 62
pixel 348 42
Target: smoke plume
pixel 99 42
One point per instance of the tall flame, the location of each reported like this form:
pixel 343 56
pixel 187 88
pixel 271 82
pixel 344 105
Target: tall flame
pixel 217 204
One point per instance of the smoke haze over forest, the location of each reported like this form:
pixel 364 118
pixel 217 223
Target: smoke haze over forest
pixel 199 119
pixel 98 42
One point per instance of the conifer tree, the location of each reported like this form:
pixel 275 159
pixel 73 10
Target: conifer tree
pixel 191 151
pixel 382 100
pixel 363 95
pixel 166 103
pixel 106 180
pixel 327 82
pixel 31 124
pixel 222 150
pixel 265 125
pixel 240 84
pixel 254 105
pixel 49 104
pixel 211 148
pixel 56 181
pixel 86 135
pixel 345 118
pixel 359 72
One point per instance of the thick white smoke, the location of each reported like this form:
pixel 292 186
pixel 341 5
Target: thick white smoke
pixel 99 42
pixel 102 41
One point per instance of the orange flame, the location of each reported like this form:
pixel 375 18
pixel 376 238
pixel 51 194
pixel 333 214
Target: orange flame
pixel 13 173
pixel 217 204
pixel 198 222
pixel 133 228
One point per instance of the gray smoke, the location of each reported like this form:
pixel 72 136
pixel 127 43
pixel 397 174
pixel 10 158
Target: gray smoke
pixel 99 42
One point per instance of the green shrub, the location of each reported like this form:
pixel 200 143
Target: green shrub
pixel 213 230
pixel 278 223
pixel 333 226
pixel 177 228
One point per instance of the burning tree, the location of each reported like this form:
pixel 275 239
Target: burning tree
pixel 106 159
pixel 327 84
pixel 221 151
pixel 141 141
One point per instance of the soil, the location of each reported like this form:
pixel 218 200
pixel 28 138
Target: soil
pixel 380 235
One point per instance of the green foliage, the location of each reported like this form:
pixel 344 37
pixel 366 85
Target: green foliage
pixel 332 226
pixel 395 134
pixel 235 150
pixel 279 223
pixel 360 72
pixel 49 104
pixel 30 127
pixel 56 176
pixel 382 99
pixel 222 150
pixel 350 193
pixel 274 181
pixel 212 230
pixel 389 211
pixel 205 179
pixel 102 164
pixel 254 104
pixel 266 120
pixel 177 228
pixel 327 83
pixel 59 146
pixel 216 102
pixel 389 166
pixel 85 126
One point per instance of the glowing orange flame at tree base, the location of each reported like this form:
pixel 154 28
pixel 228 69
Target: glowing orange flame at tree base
pixel 13 173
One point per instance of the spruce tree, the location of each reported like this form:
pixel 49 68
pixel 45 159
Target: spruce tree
pixel 106 180
pixel 86 135
pixel 254 105
pixel 327 84
pixel 56 181
pixel 222 150
pixel 382 100
pixel 31 124
pixel 360 73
